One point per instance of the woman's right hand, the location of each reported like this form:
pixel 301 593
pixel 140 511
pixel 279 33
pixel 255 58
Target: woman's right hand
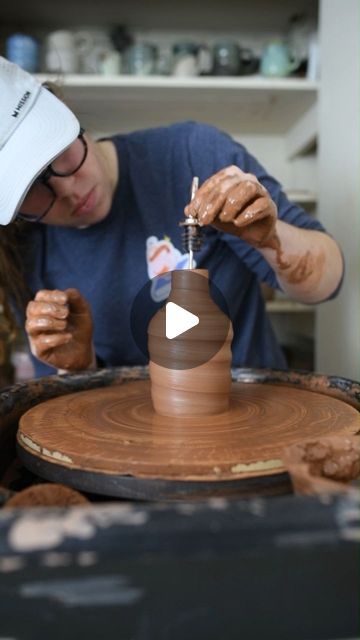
pixel 60 329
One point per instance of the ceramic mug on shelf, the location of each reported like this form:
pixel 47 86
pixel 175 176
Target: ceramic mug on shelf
pixel 185 62
pixel 60 52
pixel 94 49
pixel 226 59
pixel 191 59
pixel 230 59
pixel 23 50
pixel 141 59
pixel 277 61
pixel 110 63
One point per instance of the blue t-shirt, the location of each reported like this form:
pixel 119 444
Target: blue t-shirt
pixel 140 238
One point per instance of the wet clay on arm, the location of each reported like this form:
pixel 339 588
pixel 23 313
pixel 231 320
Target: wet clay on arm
pixel 308 263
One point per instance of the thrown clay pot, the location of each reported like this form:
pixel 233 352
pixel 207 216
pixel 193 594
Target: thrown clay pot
pixel 190 375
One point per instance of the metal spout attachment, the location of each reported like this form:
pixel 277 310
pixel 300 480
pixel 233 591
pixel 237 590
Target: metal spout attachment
pixel 192 236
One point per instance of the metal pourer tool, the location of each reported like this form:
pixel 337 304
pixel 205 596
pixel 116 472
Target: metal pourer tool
pixel 192 236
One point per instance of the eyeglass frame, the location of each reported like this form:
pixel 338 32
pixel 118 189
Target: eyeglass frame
pixel 45 176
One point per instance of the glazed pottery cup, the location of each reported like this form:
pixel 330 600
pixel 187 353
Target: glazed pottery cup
pixel 277 61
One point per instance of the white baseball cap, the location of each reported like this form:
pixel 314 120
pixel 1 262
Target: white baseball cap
pixel 35 127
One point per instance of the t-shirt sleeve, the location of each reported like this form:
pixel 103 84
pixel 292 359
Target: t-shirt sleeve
pixel 211 150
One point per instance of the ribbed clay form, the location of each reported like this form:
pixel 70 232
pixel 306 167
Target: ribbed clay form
pixel 191 374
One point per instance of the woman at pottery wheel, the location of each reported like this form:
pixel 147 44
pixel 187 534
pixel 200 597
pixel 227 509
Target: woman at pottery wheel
pixel 87 223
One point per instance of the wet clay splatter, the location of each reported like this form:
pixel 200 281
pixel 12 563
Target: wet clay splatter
pixel 298 269
pixel 323 465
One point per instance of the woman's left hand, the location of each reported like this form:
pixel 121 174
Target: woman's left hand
pixel 235 202
pixel 60 329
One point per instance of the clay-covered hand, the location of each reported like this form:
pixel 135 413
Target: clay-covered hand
pixel 236 202
pixel 60 329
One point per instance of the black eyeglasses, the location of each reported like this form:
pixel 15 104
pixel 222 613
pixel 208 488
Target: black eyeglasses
pixel 41 196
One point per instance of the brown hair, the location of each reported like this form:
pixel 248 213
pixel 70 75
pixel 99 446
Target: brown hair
pixel 14 292
pixel 13 289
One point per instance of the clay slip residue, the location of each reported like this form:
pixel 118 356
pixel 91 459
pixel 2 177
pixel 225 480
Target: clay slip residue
pixel 54 455
pixel 261 465
pixel 85 592
pixel 34 531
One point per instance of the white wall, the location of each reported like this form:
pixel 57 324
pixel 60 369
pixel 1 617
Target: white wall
pixel 338 326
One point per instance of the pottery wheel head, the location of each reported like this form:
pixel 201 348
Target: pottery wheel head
pixel 114 431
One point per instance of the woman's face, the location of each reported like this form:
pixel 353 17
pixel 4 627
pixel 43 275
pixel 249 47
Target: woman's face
pixel 85 197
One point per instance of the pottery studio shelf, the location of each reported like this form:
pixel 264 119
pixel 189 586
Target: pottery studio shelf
pixel 302 196
pixel 288 306
pixel 247 104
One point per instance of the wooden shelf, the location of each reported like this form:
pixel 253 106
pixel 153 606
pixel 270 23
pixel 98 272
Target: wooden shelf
pixel 255 82
pixel 250 104
pixel 301 196
pixel 288 306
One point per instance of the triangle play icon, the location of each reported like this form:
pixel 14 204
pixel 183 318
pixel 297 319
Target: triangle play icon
pixel 178 320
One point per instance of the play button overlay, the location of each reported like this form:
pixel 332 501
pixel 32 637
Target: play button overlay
pixel 178 320
pixel 182 326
